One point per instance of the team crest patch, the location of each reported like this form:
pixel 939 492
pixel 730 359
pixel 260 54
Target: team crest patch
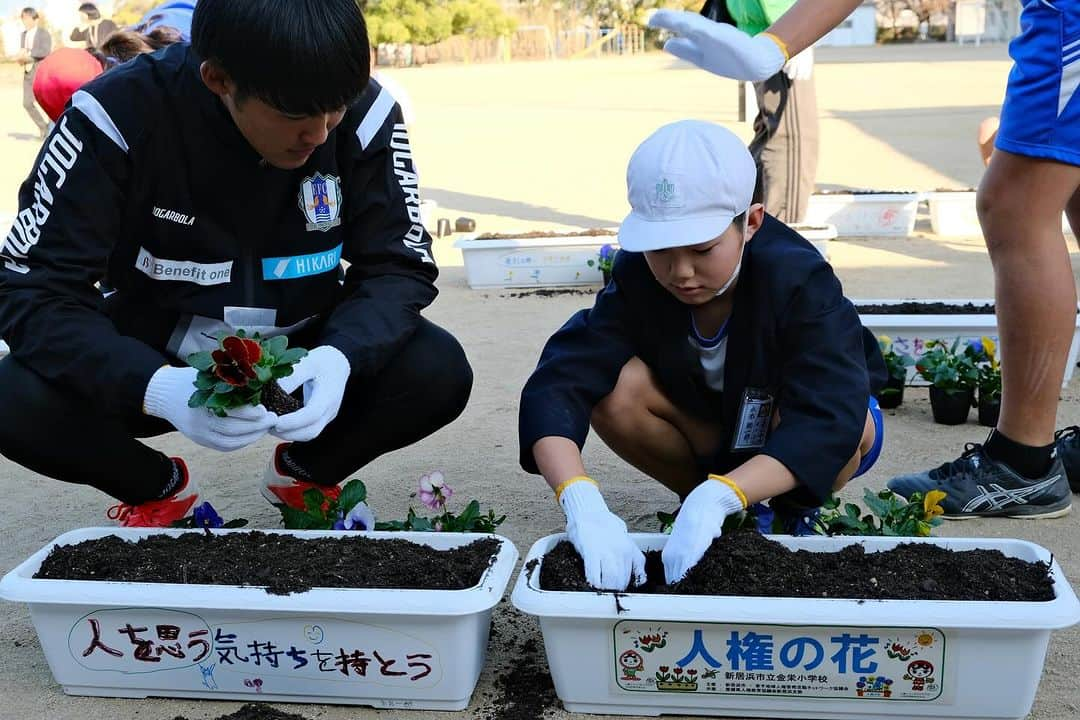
pixel 320 201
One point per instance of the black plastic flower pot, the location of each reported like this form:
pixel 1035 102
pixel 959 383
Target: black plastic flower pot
pixel 892 395
pixel 950 407
pixel 989 410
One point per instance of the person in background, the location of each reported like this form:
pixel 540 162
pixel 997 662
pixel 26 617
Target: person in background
pixel 35 46
pixel 68 69
pixel 93 30
pixel 1022 469
pixel 785 144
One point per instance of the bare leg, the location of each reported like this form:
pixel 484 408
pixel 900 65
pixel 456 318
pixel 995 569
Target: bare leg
pixel 1020 203
pixel 987 135
pixel 645 428
pixel 865 446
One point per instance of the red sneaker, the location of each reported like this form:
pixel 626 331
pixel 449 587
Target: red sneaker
pixel 281 488
pixel 160 513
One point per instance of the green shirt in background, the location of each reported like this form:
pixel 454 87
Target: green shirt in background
pixel 754 16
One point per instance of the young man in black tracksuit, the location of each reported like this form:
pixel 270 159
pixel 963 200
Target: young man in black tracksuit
pixel 220 185
pixel 722 360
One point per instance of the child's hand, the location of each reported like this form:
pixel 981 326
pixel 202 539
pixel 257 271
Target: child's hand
pixel 720 48
pixel 600 537
pixel 700 521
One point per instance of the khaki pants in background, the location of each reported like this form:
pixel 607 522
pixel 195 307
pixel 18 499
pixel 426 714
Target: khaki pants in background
pixel 785 145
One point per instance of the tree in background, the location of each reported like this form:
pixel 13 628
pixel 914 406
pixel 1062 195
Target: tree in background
pixel 426 22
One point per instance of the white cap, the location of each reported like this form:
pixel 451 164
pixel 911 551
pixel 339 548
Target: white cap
pixel 685 184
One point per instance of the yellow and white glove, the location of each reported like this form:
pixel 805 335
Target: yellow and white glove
pixel 599 536
pixel 700 521
pixel 720 48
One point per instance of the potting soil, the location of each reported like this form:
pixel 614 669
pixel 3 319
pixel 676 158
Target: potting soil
pixel 597 232
pixel 746 563
pixel 925 308
pixel 281 563
pixel 255 711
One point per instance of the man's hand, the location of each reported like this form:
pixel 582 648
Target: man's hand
pixel 600 537
pixel 720 48
pixel 167 398
pixel 323 372
pixel 700 521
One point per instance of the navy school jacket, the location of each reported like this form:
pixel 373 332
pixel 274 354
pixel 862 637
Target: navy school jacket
pixel 792 334
pixel 147 178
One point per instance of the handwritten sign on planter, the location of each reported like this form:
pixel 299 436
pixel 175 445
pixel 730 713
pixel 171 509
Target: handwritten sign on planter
pixel 272 655
pixel 775 660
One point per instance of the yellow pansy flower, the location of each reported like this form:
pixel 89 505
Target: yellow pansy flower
pixel 932 504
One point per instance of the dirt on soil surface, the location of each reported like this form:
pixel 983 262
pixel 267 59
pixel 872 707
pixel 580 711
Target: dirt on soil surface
pixel 748 564
pixel 925 308
pixel 282 563
pixel 596 232
pixel 255 711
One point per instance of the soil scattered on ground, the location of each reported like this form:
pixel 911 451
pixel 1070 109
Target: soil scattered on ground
pixel 748 564
pixel 282 563
pixel 525 691
pixel 254 711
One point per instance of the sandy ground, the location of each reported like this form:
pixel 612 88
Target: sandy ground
pixel 541 146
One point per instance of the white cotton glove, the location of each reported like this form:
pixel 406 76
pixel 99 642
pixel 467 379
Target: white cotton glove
pixel 167 396
pixel 700 521
pixel 323 372
pixel 720 48
pixel 600 537
pixel 801 67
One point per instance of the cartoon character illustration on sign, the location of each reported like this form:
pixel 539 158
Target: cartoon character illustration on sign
pixel 631 664
pixel 208 676
pixel 919 673
pixel 255 684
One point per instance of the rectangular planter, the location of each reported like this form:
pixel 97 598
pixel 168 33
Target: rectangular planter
pixel 778 657
pixel 910 332
pixel 953 214
pixel 873 214
pixel 818 235
pixel 562 260
pixel 419 649
pixel 532 262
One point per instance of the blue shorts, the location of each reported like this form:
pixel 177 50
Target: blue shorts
pixel 871 457
pixel 1041 115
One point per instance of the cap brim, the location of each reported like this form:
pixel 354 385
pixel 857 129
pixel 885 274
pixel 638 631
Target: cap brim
pixel 637 234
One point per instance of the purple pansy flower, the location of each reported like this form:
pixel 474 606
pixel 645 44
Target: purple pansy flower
pixel 607 252
pixel 763 517
pixel 434 492
pixel 206 516
pixel 360 517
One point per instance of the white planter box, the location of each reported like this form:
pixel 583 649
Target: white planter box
pixel 533 262
pixel 953 214
pixel 606 652
pixel 293 644
pixel 870 214
pixel 818 235
pixel 910 332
